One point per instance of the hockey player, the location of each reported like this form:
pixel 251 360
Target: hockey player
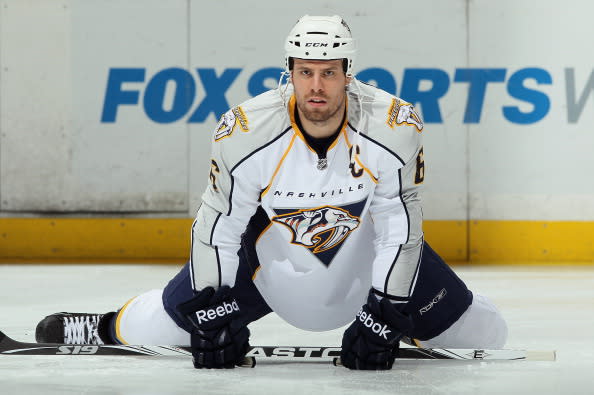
pixel 312 211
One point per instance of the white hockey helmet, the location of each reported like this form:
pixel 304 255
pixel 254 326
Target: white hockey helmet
pixel 320 38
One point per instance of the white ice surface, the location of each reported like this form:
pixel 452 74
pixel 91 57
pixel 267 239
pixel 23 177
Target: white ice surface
pixel 546 308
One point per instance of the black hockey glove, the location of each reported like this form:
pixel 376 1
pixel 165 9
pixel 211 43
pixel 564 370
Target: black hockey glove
pixel 219 339
pixel 372 340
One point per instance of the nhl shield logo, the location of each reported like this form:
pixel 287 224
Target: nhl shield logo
pixel 322 230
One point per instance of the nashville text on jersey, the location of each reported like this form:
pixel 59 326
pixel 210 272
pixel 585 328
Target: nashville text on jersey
pixel 312 195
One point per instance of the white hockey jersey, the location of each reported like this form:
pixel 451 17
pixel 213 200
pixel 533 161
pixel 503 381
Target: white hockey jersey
pixel 332 233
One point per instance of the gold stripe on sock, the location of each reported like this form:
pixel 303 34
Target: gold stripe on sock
pixel 119 337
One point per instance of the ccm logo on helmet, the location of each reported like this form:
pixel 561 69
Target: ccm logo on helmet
pixel 316 44
pixel 376 327
pixel 219 311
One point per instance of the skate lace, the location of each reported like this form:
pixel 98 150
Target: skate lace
pixel 81 330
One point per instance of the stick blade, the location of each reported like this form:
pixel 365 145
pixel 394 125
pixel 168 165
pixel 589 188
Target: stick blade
pixel 475 354
pixel 541 355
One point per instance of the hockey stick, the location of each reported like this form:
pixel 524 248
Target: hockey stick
pixel 9 346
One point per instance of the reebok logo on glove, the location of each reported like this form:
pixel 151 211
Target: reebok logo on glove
pixel 377 328
pixel 218 311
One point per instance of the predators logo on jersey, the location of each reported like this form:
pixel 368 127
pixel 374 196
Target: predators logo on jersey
pixel 228 121
pixel 322 229
pixel 401 112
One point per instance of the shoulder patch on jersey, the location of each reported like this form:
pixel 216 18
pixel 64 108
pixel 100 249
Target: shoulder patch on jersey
pixel 403 113
pixel 229 120
pixel 241 118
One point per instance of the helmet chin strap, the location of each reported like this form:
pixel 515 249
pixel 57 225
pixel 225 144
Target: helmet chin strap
pixel 357 139
pixel 282 90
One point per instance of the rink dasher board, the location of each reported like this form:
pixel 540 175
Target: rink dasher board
pixel 9 346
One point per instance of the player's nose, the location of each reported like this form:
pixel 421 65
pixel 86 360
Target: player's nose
pixel 316 83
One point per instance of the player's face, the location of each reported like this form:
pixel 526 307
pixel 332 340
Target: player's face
pixel 319 89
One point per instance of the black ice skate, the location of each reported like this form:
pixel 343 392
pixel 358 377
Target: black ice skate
pixel 71 328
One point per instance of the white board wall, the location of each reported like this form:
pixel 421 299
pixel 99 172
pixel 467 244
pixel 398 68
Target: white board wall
pixel 107 107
